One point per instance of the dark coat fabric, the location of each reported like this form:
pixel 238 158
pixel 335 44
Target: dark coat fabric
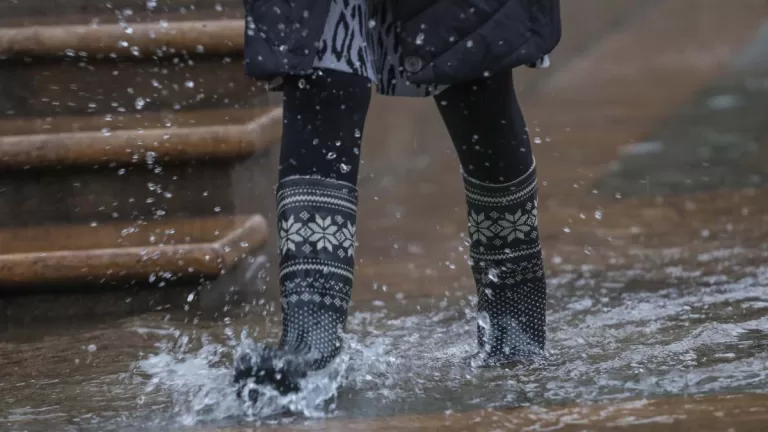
pixel 443 41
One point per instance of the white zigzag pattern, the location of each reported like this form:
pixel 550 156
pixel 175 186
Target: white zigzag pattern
pixel 325 268
pixel 309 200
pixel 488 256
pixel 482 198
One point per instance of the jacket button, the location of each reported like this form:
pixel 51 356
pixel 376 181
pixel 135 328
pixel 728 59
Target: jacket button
pixel 413 64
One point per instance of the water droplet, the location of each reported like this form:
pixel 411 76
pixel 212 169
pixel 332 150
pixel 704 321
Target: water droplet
pixel 358 134
pixel 345 168
pixel 567 229
pixel 537 140
pixel 598 214
pixel 106 132
pixel 330 155
pixel 123 44
pixel 92 348
pixel 493 274
pixel 139 103
pixel 470 44
pixel 420 39
pixel 189 84
pixel 484 320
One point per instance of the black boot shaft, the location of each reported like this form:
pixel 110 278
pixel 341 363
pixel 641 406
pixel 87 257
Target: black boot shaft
pixel 505 250
pixel 317 220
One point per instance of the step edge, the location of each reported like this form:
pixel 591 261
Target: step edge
pixel 123 146
pixel 158 39
pixel 224 254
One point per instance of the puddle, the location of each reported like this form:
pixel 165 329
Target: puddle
pixel 615 335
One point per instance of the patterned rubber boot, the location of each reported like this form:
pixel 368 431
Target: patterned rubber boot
pixel 508 269
pixel 316 221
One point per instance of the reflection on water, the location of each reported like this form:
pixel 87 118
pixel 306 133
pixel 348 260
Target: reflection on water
pixel 654 330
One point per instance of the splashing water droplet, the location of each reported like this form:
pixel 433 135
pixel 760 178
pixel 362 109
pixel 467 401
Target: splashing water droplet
pixel 345 168
pixel 493 274
pixel 484 320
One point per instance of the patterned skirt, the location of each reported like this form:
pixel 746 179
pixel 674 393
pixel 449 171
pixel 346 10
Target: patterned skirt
pixel 359 38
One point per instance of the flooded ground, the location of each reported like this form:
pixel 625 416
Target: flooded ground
pixel 665 327
pixel 658 310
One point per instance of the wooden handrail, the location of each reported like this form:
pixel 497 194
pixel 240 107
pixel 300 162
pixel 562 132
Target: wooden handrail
pixel 131 146
pixel 223 37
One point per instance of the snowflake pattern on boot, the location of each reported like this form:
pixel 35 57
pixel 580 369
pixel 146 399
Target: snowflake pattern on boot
pixel 508 268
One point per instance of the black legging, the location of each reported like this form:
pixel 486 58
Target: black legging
pixel 324 117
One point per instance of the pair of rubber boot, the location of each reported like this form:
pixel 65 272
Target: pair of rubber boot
pixel 316 228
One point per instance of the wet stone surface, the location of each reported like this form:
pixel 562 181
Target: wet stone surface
pixel 658 292
pixel 655 329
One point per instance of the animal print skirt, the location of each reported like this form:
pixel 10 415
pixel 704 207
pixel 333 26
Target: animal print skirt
pixel 359 38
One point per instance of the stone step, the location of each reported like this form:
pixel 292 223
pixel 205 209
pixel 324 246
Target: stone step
pixel 130 267
pixel 21 13
pixel 97 148
pixel 96 177
pixel 124 67
pixel 20 125
pixel 130 40
pixel 108 87
pixel 135 252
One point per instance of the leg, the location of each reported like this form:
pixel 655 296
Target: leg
pixel 324 117
pixel 487 127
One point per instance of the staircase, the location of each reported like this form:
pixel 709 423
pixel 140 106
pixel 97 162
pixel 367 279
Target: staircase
pixel 136 159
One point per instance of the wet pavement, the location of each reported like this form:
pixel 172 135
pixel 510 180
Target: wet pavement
pixel 654 221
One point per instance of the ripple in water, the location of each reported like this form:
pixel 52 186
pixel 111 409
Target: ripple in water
pixel 606 341
pixel 613 335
